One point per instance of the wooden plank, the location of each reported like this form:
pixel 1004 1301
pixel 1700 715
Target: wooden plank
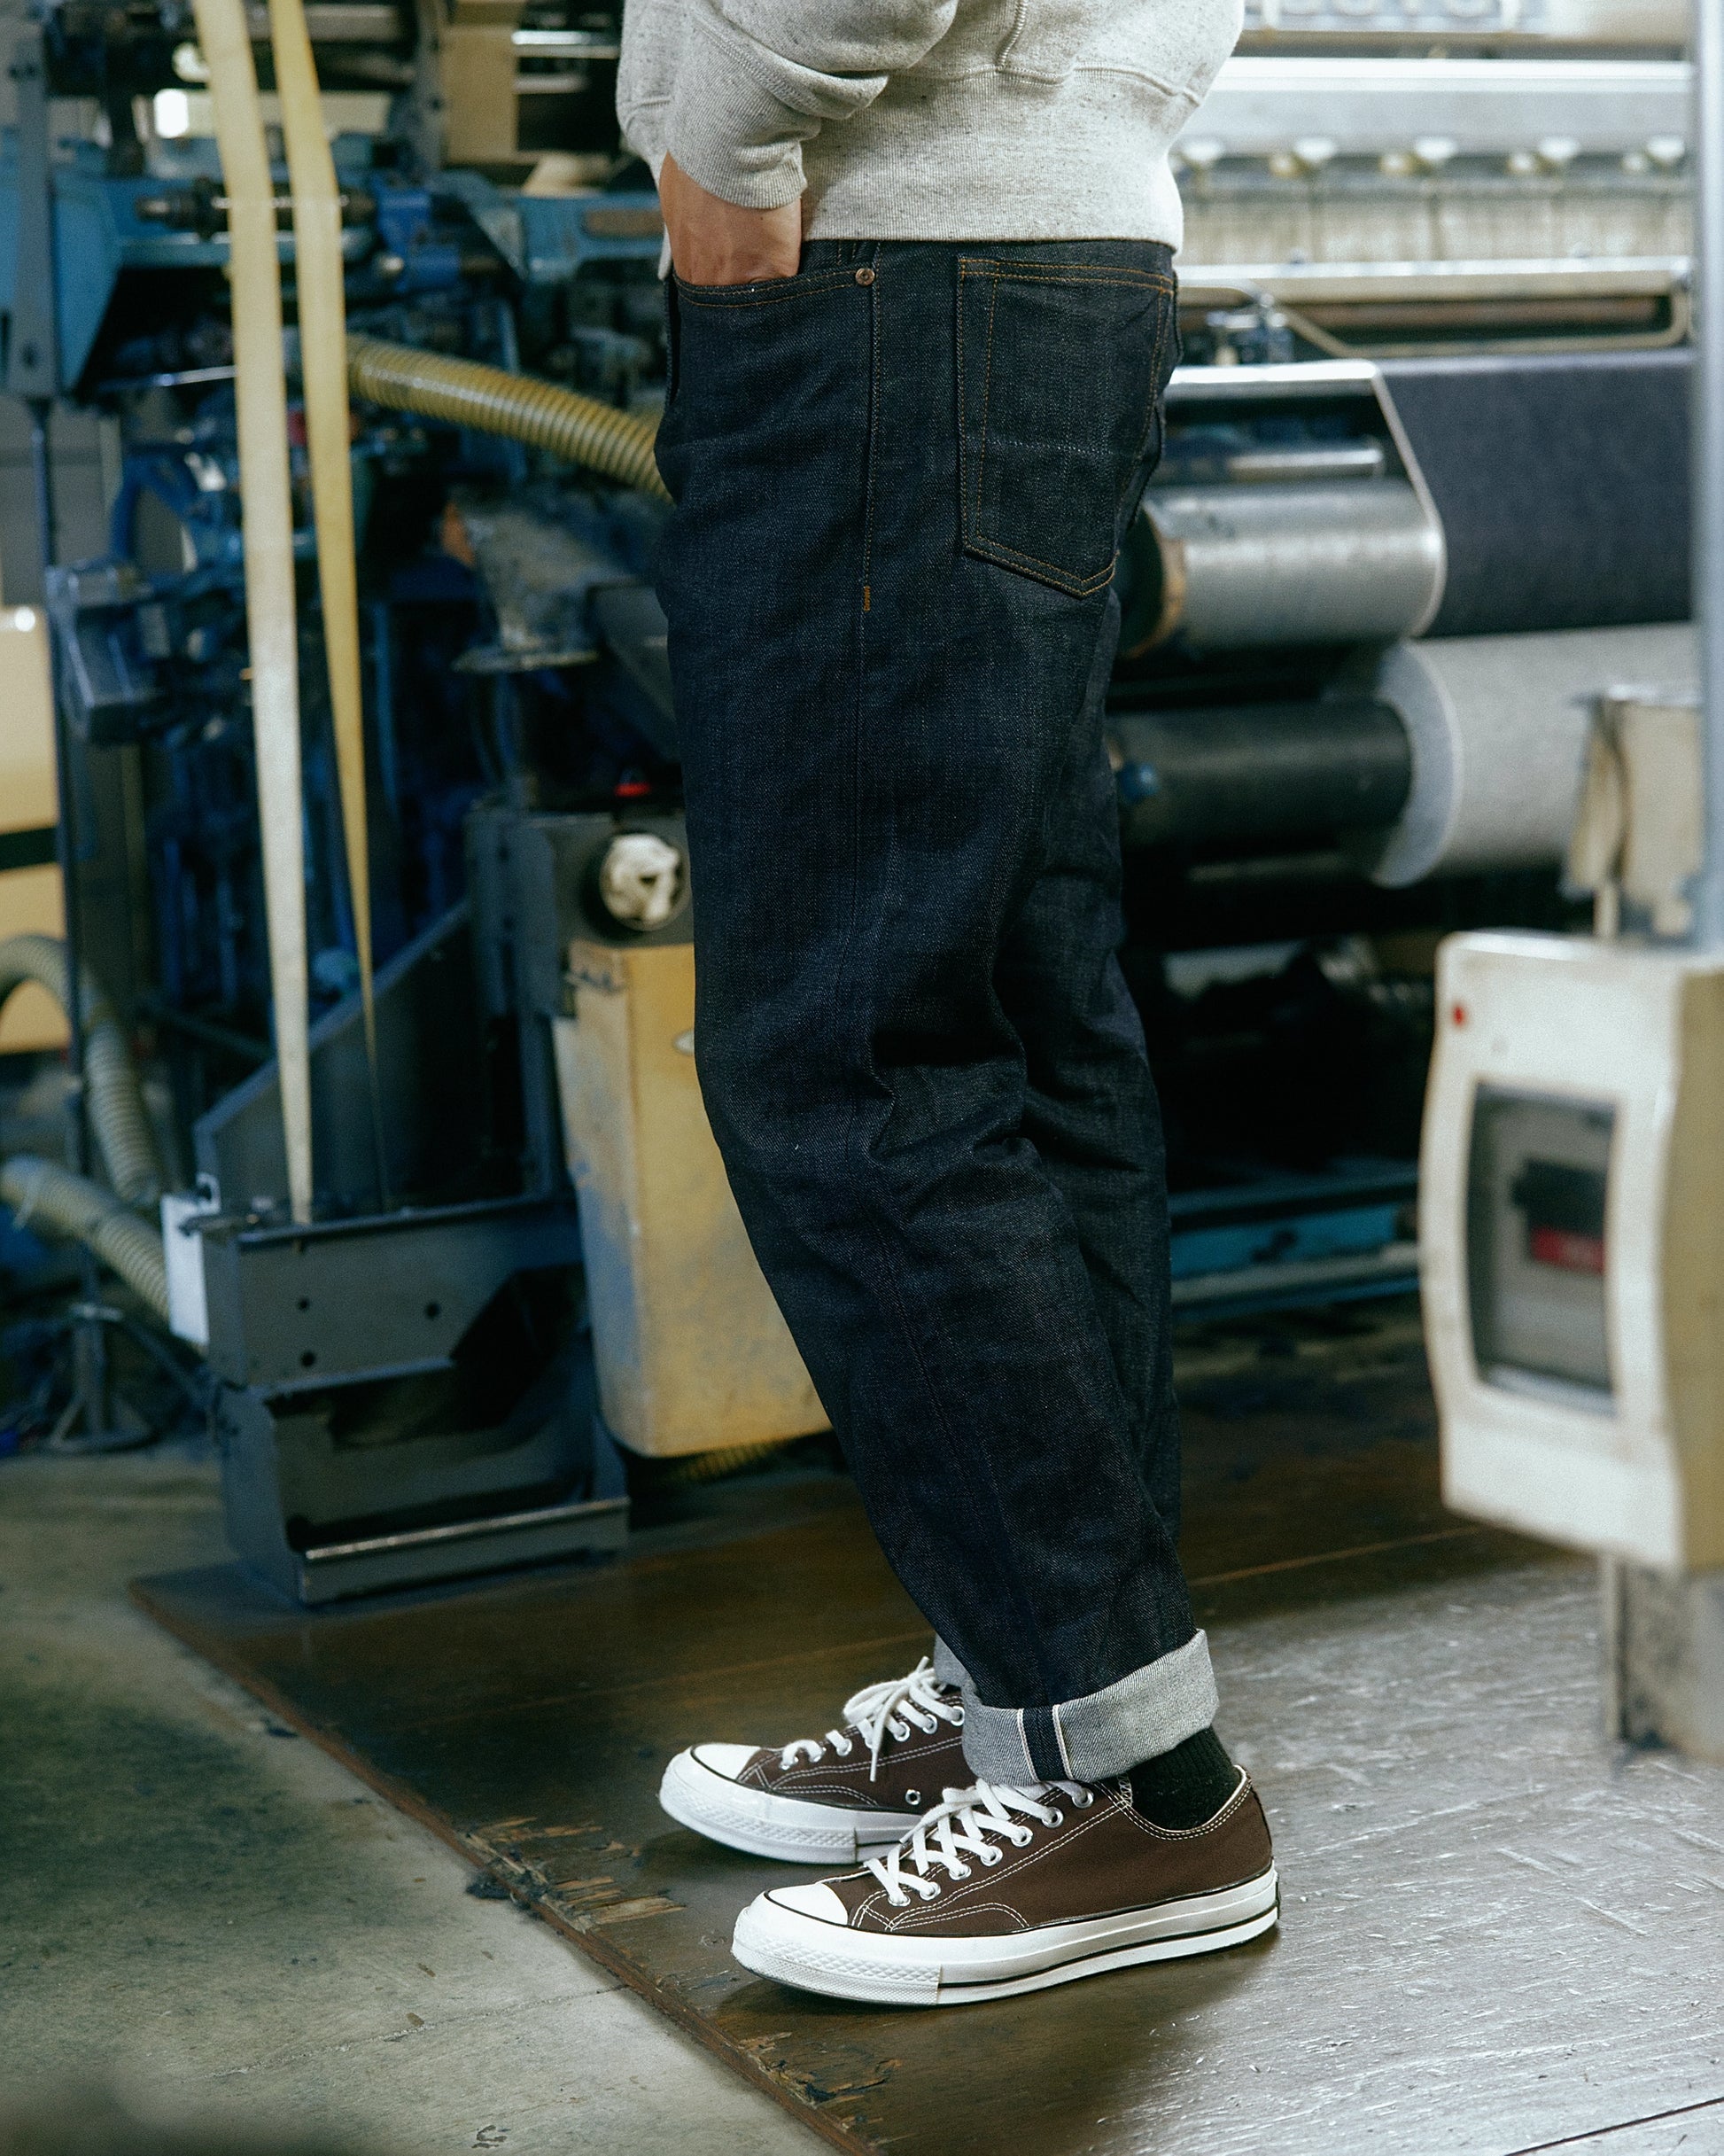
pixel 1499 1930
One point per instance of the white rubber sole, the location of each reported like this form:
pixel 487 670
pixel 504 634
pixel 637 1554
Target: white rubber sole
pixel 891 1969
pixel 762 1825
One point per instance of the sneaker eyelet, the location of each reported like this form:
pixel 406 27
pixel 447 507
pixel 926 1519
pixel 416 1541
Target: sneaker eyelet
pixel 913 1798
pixel 992 1857
pixel 958 1717
pixel 1084 1802
pixel 900 1730
pixel 1022 1841
pixel 1058 1819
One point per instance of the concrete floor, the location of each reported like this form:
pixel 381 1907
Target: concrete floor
pixel 205 1914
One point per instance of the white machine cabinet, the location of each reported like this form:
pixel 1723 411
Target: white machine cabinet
pixel 1572 1234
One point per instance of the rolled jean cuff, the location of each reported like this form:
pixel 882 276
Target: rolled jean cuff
pixel 947 1668
pixel 1101 1734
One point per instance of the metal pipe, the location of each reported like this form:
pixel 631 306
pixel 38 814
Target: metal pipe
pixel 1233 566
pixel 1709 458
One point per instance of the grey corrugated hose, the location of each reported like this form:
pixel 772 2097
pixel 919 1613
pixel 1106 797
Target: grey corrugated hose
pixel 117 1115
pixel 43 1194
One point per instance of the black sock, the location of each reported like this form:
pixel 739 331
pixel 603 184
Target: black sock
pixel 1186 1786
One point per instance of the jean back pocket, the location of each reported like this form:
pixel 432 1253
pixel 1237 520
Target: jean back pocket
pixel 1061 366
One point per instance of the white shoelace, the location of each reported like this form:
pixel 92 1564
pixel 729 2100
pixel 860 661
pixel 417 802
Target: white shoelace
pixel 958 1828
pixel 894 1705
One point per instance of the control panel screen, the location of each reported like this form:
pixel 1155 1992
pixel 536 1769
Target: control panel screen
pixel 1538 1180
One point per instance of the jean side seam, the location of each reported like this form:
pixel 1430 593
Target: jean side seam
pixel 1000 1544
pixel 874 341
pixel 960 417
pixel 1164 315
pixel 987 389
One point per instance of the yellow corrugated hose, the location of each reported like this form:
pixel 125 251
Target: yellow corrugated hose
pixel 319 274
pixel 580 429
pixel 260 392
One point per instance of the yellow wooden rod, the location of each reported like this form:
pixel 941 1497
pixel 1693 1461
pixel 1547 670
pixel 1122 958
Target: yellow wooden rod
pixel 318 275
pixel 260 390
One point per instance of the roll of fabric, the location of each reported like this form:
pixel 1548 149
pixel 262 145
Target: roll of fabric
pixel 1498 727
pixel 1562 481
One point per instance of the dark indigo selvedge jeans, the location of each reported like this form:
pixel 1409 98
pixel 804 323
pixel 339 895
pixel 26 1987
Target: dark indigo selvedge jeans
pixel 901 480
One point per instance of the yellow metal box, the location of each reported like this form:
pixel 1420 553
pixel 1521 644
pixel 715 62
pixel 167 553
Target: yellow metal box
pixel 692 1353
pixel 29 896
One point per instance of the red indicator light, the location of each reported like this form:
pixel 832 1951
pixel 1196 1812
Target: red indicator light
pixel 1566 1250
pixel 632 789
pixel 1457 1014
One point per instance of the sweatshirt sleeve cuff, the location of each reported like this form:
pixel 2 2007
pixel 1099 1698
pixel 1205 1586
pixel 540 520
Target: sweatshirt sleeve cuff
pixel 732 136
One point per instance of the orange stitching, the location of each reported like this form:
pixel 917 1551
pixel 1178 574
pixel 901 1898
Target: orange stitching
pixel 1032 273
pixel 822 280
pixel 1063 579
pixel 1151 417
pixel 986 396
pixel 1074 584
pixel 875 339
pixel 963 426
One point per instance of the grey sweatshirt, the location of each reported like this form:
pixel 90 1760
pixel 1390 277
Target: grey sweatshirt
pixel 928 119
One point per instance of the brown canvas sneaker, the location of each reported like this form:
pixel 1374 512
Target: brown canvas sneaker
pixel 823 1800
pixel 1083 1883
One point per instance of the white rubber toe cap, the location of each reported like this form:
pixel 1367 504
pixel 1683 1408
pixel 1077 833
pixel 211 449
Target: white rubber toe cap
pixel 815 1901
pixel 728 1760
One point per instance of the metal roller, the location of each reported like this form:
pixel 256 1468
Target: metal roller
pixel 1260 776
pixel 1229 568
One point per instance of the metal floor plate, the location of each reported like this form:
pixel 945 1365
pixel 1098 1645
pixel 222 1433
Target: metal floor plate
pixel 1500 1934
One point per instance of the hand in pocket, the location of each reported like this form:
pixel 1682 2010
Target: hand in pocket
pixel 716 242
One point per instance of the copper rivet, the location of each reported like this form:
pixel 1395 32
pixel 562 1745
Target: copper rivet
pixel 864 276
